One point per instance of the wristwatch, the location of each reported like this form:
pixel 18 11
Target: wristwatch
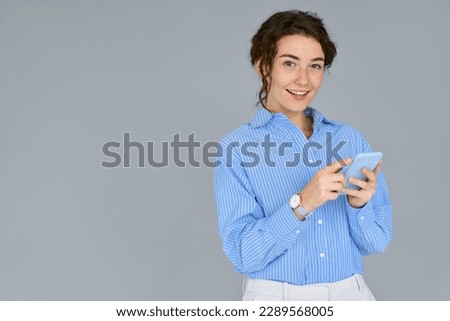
pixel 296 204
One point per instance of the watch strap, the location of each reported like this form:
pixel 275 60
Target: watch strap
pixel 303 212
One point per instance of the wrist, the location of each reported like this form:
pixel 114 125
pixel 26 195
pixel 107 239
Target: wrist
pixel 356 204
pixel 297 207
pixel 305 202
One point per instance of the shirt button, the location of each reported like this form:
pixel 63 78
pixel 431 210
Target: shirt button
pixel 310 161
pixel 362 218
pixel 297 232
pixel 322 255
pixel 319 222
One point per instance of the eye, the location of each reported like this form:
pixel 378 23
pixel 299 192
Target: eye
pixel 316 66
pixel 289 63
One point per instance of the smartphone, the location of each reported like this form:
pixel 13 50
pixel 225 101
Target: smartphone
pixel 368 160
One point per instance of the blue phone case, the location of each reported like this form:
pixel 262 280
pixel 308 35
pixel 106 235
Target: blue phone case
pixel 369 160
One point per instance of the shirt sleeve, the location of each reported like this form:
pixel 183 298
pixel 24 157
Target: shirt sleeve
pixel 371 225
pixel 251 238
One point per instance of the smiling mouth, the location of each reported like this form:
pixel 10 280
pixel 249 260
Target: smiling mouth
pixel 297 93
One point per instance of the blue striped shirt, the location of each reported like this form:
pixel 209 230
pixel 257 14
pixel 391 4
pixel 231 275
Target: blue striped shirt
pixel 261 165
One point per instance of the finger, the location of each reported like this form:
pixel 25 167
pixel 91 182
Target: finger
pixel 337 179
pixel 359 183
pixel 332 195
pixel 371 176
pixel 371 179
pixel 335 187
pixel 351 192
pixel 337 166
pixel 340 178
pixel 378 167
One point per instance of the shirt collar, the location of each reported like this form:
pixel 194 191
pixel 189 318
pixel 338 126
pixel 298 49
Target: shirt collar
pixel 263 116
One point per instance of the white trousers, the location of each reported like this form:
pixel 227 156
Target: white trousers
pixel 351 289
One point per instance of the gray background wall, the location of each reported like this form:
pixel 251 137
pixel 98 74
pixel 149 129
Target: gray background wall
pixel 77 74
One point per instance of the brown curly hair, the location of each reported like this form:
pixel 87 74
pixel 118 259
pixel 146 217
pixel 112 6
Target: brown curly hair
pixel 280 24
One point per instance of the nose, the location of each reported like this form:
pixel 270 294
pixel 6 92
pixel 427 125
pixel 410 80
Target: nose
pixel 302 78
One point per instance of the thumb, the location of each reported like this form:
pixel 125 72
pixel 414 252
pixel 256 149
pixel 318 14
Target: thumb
pixel 337 165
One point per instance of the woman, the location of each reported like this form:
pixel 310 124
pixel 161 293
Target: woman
pixel 285 217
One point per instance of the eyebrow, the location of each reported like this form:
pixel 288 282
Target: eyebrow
pixel 297 58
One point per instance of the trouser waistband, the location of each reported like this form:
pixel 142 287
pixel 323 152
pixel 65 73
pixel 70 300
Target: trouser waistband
pixel 320 291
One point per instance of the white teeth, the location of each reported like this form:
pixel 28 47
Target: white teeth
pixel 302 93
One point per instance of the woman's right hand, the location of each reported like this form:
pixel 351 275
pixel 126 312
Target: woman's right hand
pixel 324 186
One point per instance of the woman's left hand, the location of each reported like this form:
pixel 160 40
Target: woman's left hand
pixel 359 198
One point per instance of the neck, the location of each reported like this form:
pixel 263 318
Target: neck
pixel 299 119
pixel 303 122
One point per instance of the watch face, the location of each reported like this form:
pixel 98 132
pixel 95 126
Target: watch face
pixel 295 201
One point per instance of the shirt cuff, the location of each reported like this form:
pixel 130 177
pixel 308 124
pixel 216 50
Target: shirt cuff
pixel 363 216
pixel 285 226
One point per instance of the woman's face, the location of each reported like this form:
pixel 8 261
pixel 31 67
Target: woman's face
pixel 297 74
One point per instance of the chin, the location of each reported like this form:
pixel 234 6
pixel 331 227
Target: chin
pixel 297 108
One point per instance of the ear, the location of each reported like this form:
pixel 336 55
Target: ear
pixel 256 66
